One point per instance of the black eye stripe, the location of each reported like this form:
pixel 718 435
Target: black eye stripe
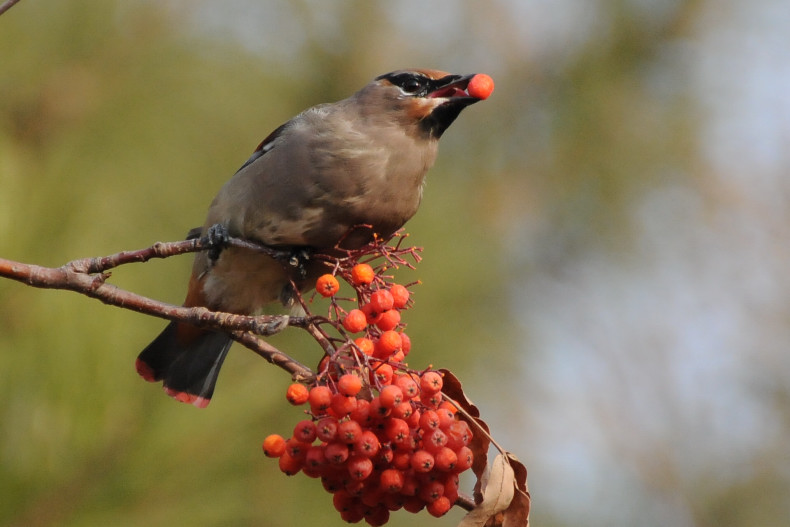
pixel 411 83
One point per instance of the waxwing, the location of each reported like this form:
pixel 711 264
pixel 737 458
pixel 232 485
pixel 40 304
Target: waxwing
pixel 311 184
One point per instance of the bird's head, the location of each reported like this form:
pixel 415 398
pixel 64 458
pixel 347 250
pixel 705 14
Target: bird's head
pixel 427 100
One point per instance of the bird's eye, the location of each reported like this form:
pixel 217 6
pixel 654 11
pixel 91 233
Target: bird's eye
pixel 411 85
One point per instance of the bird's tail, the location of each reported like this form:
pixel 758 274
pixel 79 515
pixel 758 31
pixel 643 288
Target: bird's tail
pixel 187 359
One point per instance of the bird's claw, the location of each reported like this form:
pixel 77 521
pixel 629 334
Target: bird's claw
pixel 217 239
pixel 298 260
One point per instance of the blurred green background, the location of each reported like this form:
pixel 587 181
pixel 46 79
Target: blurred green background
pixel 605 262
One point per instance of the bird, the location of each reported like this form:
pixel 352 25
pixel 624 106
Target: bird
pixel 310 184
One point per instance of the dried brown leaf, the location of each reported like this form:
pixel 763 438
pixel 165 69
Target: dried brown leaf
pixel 497 494
pixel 517 513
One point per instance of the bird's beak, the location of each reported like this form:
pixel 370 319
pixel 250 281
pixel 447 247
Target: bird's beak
pixel 454 87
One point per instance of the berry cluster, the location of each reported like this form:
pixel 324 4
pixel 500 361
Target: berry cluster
pixel 401 448
pixel 378 434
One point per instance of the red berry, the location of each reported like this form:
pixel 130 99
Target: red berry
pixel 422 461
pixel 439 507
pixel 355 321
pixel 349 384
pixel 315 459
pixel 407 385
pixel 388 320
pixel 359 467
pixel 381 300
pixel 434 440
pixel 326 429
pixel 465 458
pixel 274 445
pixel 445 459
pixel 384 373
pixel 367 444
pixel 405 343
pixel 431 491
pixel 400 296
pixel 349 431
pixel 396 430
pixel 336 453
pixel 458 434
pixel 361 414
pixel 290 465
pixel 431 382
pixel 391 396
pixel 480 87
pixel 327 285
pixel 446 417
pixel 320 398
pixel 391 480
pixel 297 394
pixel 304 431
pixel 388 343
pixel 377 515
pixel 365 345
pixel 362 274
pixel 371 315
pixel 404 410
pixel 429 421
pixel 296 448
pixel 343 501
pixel 342 405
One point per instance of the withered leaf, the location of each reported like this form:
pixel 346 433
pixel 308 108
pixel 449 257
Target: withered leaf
pixel 497 494
pixel 517 514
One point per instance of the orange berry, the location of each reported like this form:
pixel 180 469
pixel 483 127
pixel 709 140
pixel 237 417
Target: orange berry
pixel 431 491
pixel 365 345
pixel 391 396
pixel 445 459
pixel 368 444
pixel 381 300
pixel 355 321
pixel 305 431
pixel 422 461
pixel 274 445
pixel 297 394
pixel 431 382
pixel 384 373
pixel 359 467
pixel 388 320
pixel 327 285
pixel 400 296
pixel 290 465
pixel 371 315
pixel 439 506
pixel 349 431
pixel 407 385
pixel 342 405
pixel 362 274
pixel 388 343
pixel 349 384
pixel 326 429
pixel 465 458
pixel 480 87
pixel 405 345
pixel 391 480
pixel 320 398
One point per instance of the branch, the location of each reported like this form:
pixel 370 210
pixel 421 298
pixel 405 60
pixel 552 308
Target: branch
pixel 88 276
pixel 8 4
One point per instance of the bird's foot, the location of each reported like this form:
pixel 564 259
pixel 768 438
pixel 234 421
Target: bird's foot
pixel 217 239
pixel 296 259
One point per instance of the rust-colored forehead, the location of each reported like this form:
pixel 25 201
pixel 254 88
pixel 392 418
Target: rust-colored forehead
pixel 433 74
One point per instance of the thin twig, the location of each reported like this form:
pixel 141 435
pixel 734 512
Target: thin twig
pixel 8 4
